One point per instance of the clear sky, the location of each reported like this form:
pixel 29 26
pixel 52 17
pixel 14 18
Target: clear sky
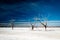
pixel 27 10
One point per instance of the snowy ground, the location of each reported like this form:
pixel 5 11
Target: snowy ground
pixel 28 34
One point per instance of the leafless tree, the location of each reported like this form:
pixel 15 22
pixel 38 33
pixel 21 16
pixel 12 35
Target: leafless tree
pixel 44 23
pixel 32 26
pixel 12 23
pixel 44 19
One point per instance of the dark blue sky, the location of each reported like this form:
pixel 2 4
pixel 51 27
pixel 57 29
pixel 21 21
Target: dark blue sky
pixel 25 10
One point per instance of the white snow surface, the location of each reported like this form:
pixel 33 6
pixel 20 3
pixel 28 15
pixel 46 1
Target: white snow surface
pixel 28 34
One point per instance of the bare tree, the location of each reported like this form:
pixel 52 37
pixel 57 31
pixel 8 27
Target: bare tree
pixel 32 26
pixel 44 23
pixel 40 20
pixel 43 18
pixel 12 23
